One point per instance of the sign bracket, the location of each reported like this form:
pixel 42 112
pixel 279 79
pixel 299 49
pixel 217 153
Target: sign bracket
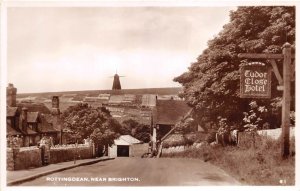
pixel 285 85
pixel 276 72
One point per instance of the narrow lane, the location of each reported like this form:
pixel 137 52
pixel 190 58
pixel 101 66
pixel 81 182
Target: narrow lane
pixel 139 172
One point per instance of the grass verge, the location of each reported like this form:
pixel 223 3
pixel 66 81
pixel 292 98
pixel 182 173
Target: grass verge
pixel 258 164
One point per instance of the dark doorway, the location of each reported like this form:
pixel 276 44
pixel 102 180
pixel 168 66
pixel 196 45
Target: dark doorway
pixel 123 151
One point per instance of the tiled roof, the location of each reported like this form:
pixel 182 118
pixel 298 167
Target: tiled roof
pixel 11 111
pixel 35 107
pixel 32 117
pixel 126 140
pixel 30 132
pixel 45 127
pixel 130 139
pixel 11 131
pixel 169 112
pixel 121 142
pixel 50 119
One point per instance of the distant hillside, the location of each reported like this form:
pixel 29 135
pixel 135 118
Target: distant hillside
pixel 158 91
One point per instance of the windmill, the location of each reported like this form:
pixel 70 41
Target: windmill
pixel 116 83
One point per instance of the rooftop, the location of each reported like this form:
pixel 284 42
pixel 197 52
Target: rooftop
pixel 126 140
pixel 169 112
pixel 32 117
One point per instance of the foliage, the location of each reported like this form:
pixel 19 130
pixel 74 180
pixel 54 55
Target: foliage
pixel 255 118
pixel 184 134
pixel 84 121
pixel 211 85
pixel 185 126
pixel 211 136
pixel 223 126
pixel 292 117
pixel 180 140
pixel 136 129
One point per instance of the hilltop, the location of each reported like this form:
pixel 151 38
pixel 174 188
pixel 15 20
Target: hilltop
pixel 158 91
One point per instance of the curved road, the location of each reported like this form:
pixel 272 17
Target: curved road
pixel 139 172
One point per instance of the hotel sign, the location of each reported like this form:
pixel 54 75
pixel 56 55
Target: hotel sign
pixel 255 81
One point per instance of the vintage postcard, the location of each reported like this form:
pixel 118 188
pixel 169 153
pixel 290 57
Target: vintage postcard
pixel 146 94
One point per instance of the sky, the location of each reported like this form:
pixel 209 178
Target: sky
pixel 80 48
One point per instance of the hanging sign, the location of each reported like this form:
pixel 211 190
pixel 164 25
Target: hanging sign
pixel 255 80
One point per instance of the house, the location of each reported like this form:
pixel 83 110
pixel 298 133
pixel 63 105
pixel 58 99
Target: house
pixel 123 146
pixel 46 128
pixel 166 114
pixel 35 107
pixel 27 120
pixel 17 125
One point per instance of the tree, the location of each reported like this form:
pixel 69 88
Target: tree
pixel 136 129
pixel 142 133
pixel 186 126
pixel 211 85
pixel 84 121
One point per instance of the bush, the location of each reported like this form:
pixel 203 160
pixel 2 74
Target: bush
pixel 210 137
pixel 180 141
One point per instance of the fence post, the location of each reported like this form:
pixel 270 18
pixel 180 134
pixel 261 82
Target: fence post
pixel 286 98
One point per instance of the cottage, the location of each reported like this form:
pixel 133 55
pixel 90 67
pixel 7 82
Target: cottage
pixel 27 120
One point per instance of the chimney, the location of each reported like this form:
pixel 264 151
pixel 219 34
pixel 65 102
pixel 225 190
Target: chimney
pixel 55 105
pixel 55 102
pixel 11 96
pixel 24 114
pixel 56 123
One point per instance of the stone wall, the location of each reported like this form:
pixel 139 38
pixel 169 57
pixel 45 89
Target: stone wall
pixel 248 139
pixel 137 150
pixel 62 154
pixel 10 159
pixel 27 157
pixel 30 157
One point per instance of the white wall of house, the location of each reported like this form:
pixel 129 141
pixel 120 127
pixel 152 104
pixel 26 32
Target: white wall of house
pixel 112 151
pixel 127 140
pixel 135 150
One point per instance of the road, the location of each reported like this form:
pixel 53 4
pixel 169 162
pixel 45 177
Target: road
pixel 139 172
